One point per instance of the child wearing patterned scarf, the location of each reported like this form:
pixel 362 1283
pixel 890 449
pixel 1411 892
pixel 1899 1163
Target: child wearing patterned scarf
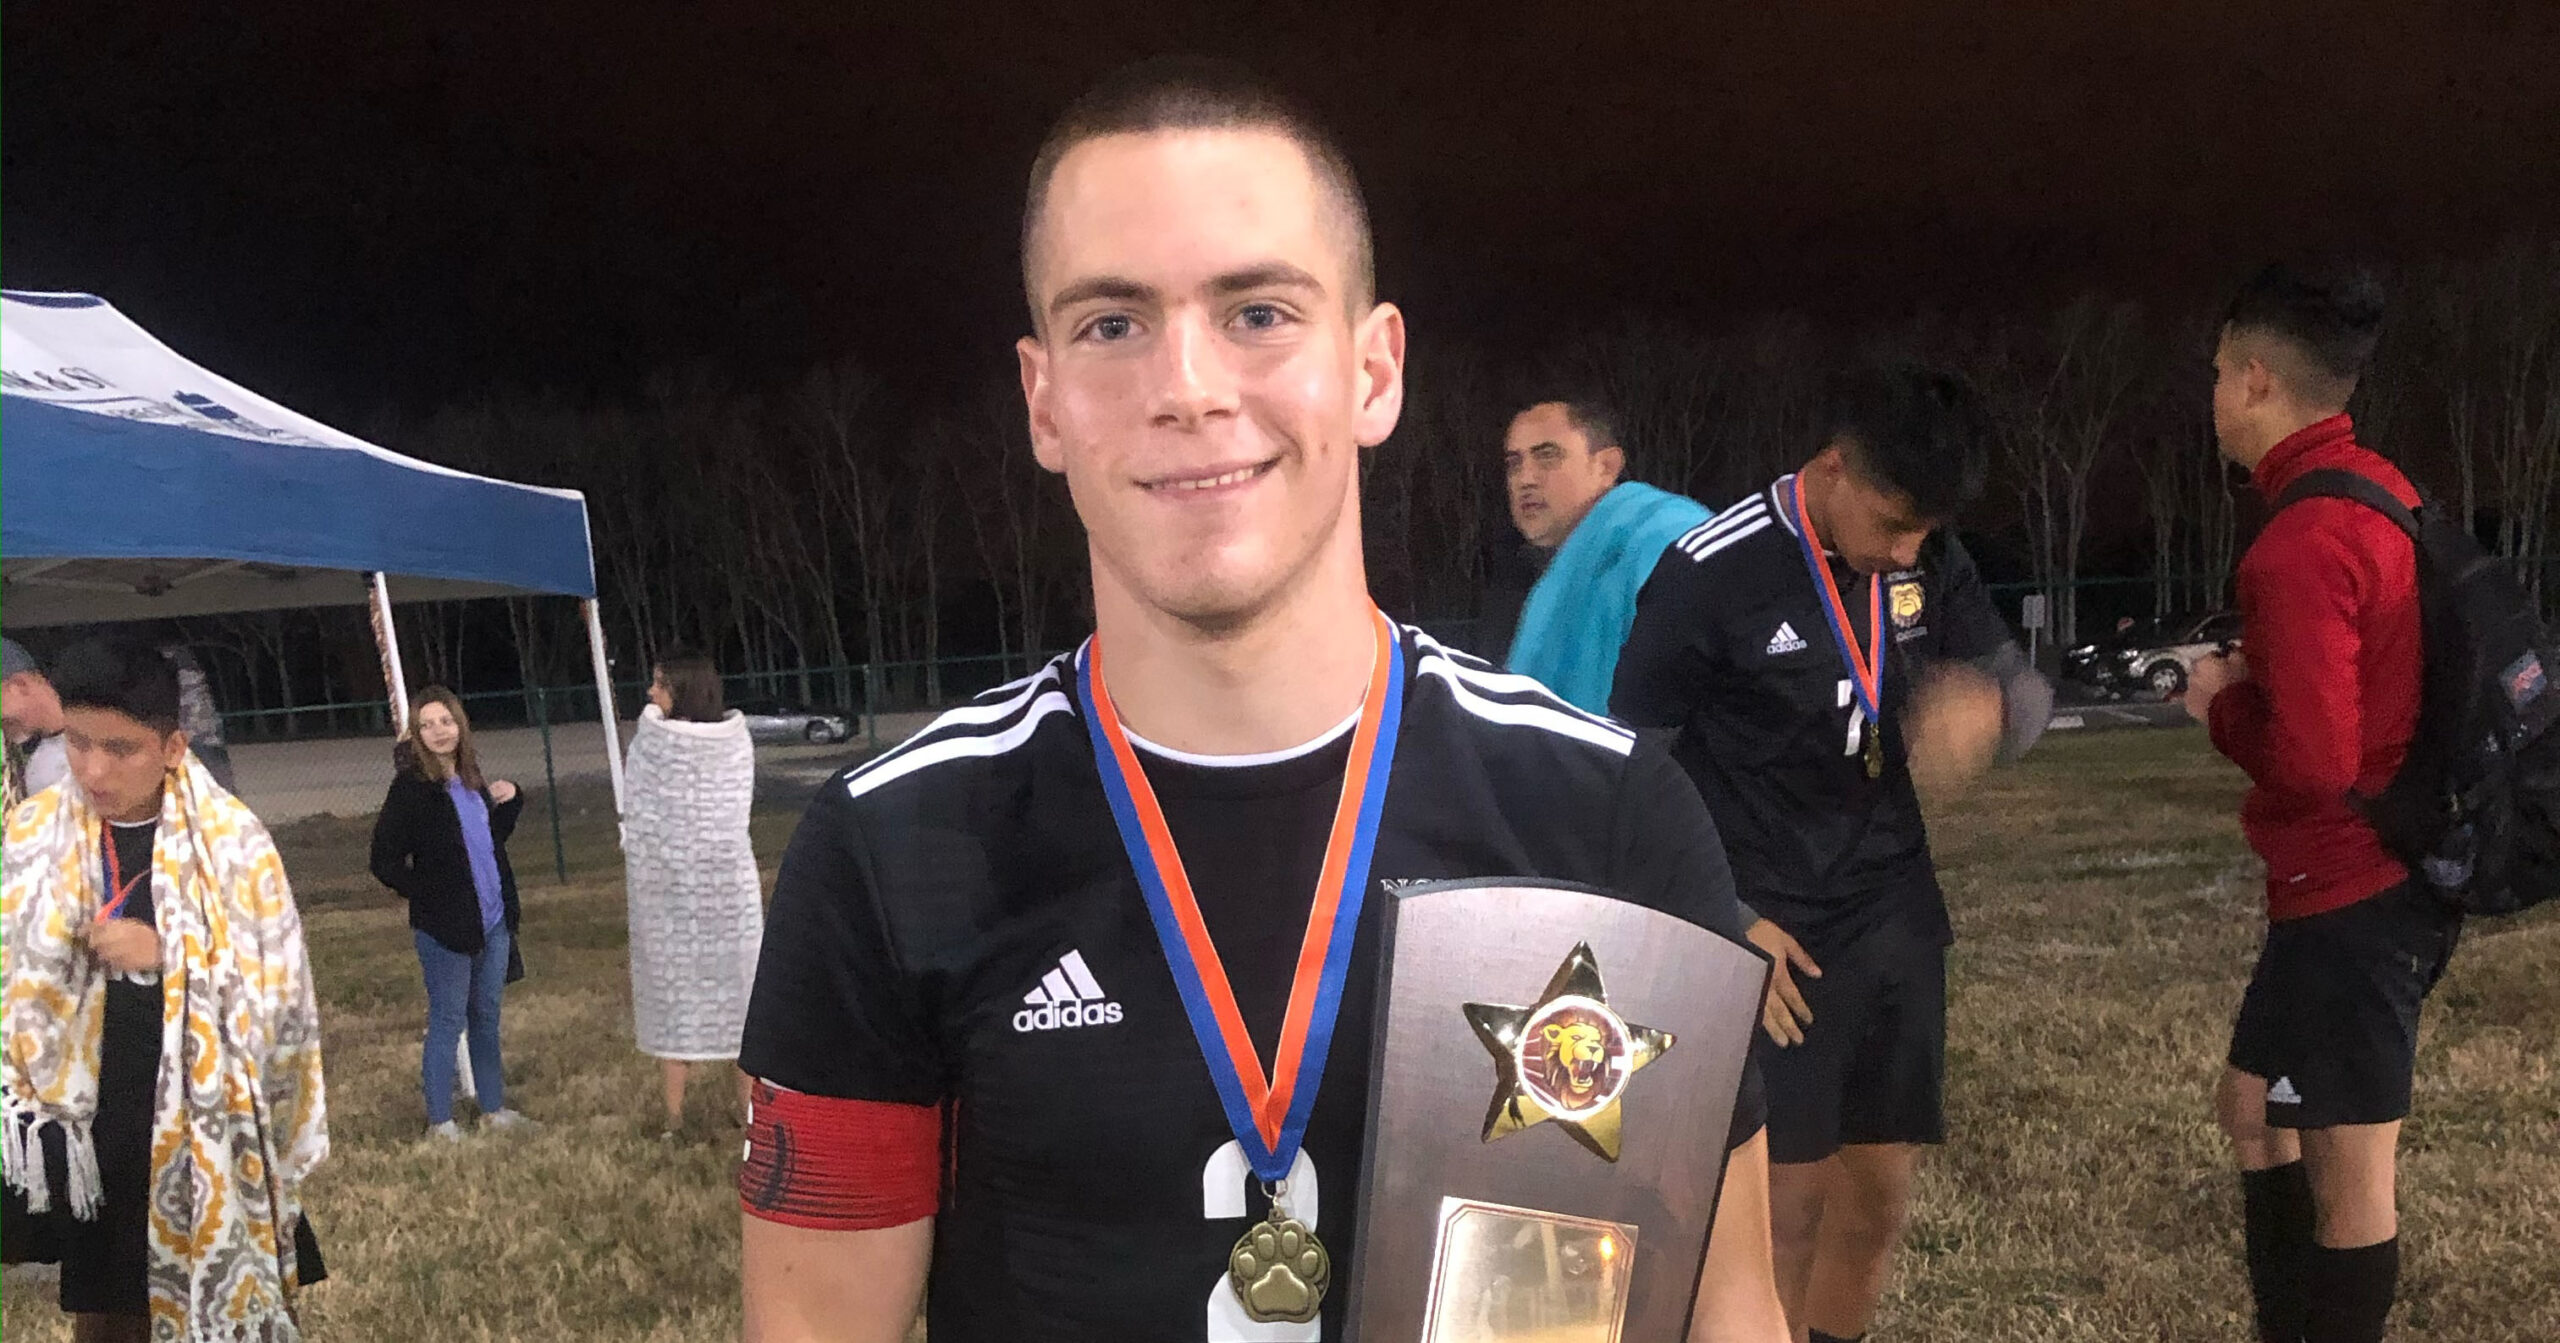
pixel 161 1033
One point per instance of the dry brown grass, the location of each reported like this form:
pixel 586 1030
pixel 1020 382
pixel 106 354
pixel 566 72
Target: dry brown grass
pixel 2108 915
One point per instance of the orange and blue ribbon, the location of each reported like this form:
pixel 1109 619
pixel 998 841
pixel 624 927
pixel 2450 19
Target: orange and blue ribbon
pixel 1866 666
pixel 1267 1112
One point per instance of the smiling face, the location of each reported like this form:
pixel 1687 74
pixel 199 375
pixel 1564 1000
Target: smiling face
pixel 1199 376
pixel 437 730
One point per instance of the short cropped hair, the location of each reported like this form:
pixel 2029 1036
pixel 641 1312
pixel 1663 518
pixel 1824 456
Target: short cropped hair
pixel 130 678
pixel 1918 430
pixel 1590 416
pixel 1193 93
pixel 2329 311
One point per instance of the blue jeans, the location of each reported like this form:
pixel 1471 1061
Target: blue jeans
pixel 463 989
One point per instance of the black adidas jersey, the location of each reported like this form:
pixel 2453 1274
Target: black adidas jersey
pixel 1732 649
pixel 956 924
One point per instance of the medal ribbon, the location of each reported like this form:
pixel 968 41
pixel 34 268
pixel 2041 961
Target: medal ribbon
pixel 115 876
pixel 1268 1113
pixel 1866 666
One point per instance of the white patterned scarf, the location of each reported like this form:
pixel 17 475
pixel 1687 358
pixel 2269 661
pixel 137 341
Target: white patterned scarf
pixel 239 1119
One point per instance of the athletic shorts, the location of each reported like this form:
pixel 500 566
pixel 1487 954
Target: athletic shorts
pixel 1873 1063
pixel 2330 1019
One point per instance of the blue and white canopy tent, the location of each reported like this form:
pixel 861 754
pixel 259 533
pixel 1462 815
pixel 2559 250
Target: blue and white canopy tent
pixel 140 486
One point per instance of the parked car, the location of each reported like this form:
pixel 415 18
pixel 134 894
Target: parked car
pixel 2154 656
pixel 773 720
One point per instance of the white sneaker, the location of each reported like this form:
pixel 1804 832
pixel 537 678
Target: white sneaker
pixel 448 1131
pixel 509 1119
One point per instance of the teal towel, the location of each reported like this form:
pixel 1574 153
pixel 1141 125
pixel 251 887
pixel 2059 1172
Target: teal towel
pixel 1578 616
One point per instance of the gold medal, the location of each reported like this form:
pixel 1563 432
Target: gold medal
pixel 1279 1270
pixel 1865 665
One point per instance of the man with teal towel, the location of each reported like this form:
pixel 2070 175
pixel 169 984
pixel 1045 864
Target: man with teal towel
pixel 1602 536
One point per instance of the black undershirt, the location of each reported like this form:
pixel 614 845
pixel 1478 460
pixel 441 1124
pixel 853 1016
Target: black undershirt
pixel 129 1045
pixel 1253 839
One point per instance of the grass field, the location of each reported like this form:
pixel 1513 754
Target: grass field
pixel 2107 912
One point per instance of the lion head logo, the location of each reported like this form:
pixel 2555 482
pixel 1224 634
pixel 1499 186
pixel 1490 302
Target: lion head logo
pixel 1574 1055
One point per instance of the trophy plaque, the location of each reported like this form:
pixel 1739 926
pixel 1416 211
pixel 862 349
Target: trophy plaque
pixel 1552 1085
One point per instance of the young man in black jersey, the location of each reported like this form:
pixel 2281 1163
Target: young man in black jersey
pixel 1761 644
pixel 979 1080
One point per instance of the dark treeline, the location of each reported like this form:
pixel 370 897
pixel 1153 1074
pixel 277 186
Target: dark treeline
pixel 824 520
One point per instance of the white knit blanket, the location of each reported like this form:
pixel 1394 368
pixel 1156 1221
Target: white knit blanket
pixel 697 909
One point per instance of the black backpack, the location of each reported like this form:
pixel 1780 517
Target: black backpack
pixel 2475 810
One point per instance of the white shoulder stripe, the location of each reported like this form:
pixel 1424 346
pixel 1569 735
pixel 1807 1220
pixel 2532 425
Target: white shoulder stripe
pixel 1432 647
pixel 1514 683
pixel 1552 714
pixel 1723 522
pixel 974 713
pixel 1027 691
pixel 1780 494
pixel 926 754
pixel 1531 715
pixel 1702 551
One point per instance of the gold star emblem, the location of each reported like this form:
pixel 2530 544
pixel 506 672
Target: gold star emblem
pixel 1567 1058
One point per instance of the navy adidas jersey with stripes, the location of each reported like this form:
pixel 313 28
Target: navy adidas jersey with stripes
pixel 1732 649
pixel 957 925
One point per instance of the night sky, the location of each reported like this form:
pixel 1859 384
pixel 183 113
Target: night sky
pixel 353 206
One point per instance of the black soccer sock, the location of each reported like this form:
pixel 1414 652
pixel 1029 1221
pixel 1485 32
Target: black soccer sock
pixel 2351 1292
pixel 1817 1336
pixel 2278 1217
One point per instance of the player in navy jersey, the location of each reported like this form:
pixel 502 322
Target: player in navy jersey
pixel 1807 650
pixel 977 1083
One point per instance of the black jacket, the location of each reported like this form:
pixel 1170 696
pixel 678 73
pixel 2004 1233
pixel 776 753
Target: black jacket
pixel 417 851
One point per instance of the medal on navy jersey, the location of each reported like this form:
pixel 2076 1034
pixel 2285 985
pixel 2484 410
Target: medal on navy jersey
pixel 1866 665
pixel 1278 1270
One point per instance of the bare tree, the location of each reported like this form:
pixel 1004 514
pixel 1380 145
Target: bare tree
pixel 1011 506
pixel 2065 388
pixel 2519 311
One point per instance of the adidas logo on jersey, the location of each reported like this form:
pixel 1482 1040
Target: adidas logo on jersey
pixel 1067 998
pixel 2282 1093
pixel 1786 640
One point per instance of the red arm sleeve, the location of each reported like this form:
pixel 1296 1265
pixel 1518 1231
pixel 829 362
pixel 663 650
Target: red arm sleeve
pixel 827 1164
pixel 2239 725
pixel 2302 729
pixel 851 1091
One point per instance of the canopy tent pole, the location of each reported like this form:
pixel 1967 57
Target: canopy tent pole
pixel 604 699
pixel 386 637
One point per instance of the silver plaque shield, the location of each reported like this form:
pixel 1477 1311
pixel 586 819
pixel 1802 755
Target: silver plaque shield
pixel 1552 1085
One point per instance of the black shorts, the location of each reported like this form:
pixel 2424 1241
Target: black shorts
pixel 2330 1019
pixel 1873 1063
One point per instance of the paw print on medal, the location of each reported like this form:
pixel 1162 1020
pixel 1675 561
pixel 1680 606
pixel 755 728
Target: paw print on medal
pixel 1281 1272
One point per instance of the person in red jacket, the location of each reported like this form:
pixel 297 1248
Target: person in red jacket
pixel 2320 708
